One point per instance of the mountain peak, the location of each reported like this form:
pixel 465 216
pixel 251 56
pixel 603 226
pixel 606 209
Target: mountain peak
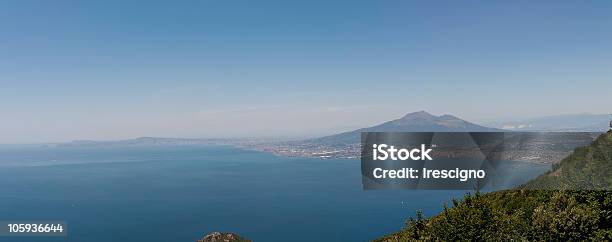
pixel 448 116
pixel 420 121
pixel 419 115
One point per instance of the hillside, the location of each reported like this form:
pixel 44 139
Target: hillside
pixel 536 215
pixel 588 168
pixel 412 122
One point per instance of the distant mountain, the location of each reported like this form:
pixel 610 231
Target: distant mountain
pixel 583 122
pixel 143 141
pixel 413 122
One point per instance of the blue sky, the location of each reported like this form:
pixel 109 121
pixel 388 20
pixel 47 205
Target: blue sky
pixel 240 68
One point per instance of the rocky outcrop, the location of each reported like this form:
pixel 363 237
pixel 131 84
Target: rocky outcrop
pixel 223 237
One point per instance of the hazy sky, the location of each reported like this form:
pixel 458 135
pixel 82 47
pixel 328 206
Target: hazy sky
pixel 235 68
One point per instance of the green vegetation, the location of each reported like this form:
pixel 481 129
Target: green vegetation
pixel 588 168
pixel 571 202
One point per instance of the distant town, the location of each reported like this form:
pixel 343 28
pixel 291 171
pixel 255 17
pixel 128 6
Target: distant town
pixel 541 148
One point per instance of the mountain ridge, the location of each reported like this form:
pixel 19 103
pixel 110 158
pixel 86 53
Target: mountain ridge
pixel 420 121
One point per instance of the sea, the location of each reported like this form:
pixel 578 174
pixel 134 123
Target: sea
pixel 181 193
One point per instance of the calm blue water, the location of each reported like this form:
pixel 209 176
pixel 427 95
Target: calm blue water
pixel 182 193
